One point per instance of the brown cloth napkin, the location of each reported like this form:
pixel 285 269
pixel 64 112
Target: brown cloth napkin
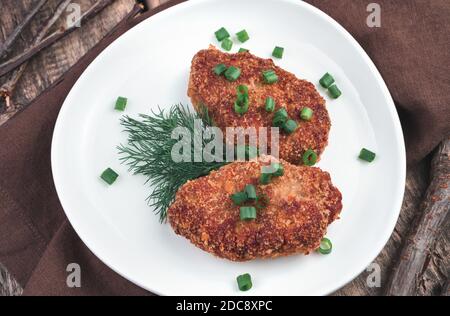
pixel 411 50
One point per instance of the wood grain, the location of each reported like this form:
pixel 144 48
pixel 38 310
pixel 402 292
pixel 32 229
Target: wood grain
pixel 5 46
pixel 50 64
pixel 431 223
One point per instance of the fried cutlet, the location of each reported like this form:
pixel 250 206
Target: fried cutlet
pixel 301 204
pixel 217 94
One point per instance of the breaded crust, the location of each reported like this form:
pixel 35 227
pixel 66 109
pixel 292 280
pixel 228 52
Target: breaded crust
pixel 218 95
pixel 302 203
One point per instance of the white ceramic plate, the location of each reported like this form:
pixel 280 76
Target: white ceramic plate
pixel 150 65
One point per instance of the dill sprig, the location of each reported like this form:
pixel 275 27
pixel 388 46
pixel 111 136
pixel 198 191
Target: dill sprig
pixel 148 152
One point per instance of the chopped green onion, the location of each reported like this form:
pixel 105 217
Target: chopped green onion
pixel 227 44
pixel 244 282
pixel 280 117
pixel 232 73
pixel 242 99
pixel 241 103
pixel 270 104
pixel 241 108
pixel 278 169
pixel 265 178
pixel 270 76
pixel 325 246
pixel 275 169
pixel 220 69
pixel 367 155
pixel 334 91
pixel 239 198
pixel 247 213
pixel 242 36
pixel 121 104
pixel 243 50
pixel 289 126
pixel 109 176
pixel 310 157
pixel 250 190
pixel 278 52
pixel 306 114
pixel 326 81
pixel 222 34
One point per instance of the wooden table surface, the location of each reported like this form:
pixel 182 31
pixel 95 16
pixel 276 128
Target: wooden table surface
pixel 50 64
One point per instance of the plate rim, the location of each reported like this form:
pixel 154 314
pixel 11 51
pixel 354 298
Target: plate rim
pixel 401 151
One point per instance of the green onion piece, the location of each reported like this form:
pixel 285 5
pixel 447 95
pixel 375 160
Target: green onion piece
pixel 278 169
pixel 121 104
pixel 275 169
pixel 367 155
pixel 334 91
pixel 326 81
pixel 270 76
pixel 290 126
pixel 325 246
pixel 242 36
pixel 270 104
pixel 220 69
pixel 244 282
pixel 242 99
pixel 227 44
pixel 240 108
pixel 109 176
pixel 265 178
pixel 306 114
pixel 310 157
pixel 247 213
pixel 243 50
pixel 239 198
pixel 222 34
pixel 250 190
pixel 280 117
pixel 232 73
pixel 242 102
pixel 278 52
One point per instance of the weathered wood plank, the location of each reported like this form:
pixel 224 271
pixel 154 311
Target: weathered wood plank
pixel 51 64
pixel 420 250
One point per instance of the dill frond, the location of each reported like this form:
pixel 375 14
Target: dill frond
pixel 148 153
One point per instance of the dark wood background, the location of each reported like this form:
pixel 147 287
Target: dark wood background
pixel 51 63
